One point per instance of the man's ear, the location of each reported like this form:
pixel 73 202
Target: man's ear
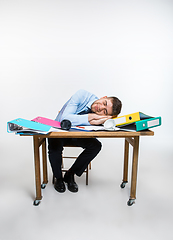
pixel 104 97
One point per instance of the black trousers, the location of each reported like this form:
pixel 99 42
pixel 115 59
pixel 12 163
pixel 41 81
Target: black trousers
pixel 91 148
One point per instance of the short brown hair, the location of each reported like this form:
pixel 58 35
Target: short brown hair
pixel 117 105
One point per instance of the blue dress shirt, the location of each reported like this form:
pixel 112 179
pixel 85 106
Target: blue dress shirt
pixel 74 107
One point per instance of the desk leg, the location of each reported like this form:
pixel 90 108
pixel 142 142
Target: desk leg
pixel 134 172
pixel 125 171
pixel 37 170
pixel 45 178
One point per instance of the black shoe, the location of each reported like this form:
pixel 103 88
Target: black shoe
pixel 59 185
pixel 71 184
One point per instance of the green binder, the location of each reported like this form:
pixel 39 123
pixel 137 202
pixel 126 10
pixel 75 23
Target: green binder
pixel 142 125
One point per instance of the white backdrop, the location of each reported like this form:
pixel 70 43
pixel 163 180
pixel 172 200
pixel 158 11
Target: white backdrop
pixel 50 49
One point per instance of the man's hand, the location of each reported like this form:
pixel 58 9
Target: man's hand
pixel 95 119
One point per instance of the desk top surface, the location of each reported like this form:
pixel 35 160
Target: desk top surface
pixel 95 134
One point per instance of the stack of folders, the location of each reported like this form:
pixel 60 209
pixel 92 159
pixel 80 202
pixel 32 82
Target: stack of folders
pixel 137 122
pixel 131 122
pixel 37 125
pixel 21 125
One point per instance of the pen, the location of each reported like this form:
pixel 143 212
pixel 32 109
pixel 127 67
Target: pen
pixel 80 127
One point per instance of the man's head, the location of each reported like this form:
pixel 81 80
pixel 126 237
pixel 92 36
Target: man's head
pixel 108 106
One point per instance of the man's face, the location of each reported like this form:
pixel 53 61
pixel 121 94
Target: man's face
pixel 102 106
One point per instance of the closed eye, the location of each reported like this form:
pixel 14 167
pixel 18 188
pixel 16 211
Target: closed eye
pixel 105 112
pixel 105 104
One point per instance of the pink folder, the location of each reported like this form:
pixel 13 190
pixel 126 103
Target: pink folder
pixel 47 121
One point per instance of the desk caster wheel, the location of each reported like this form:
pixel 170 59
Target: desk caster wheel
pixel 130 202
pixel 43 185
pixel 36 202
pixel 123 184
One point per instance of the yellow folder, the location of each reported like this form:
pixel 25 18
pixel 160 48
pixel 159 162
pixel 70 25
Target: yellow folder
pixel 130 118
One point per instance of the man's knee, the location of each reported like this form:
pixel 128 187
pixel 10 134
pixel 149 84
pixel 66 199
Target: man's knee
pixel 98 145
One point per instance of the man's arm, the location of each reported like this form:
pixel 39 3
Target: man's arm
pixel 76 120
pixel 71 108
pixel 95 119
pixel 75 104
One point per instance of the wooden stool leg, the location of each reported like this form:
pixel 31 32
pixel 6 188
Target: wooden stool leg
pixel 90 165
pixel 37 170
pixel 125 170
pixel 134 172
pixel 87 175
pixel 44 155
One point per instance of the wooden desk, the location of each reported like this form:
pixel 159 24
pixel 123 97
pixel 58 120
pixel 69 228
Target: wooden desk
pixel 131 138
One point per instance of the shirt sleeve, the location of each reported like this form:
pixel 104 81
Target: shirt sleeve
pixel 70 111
